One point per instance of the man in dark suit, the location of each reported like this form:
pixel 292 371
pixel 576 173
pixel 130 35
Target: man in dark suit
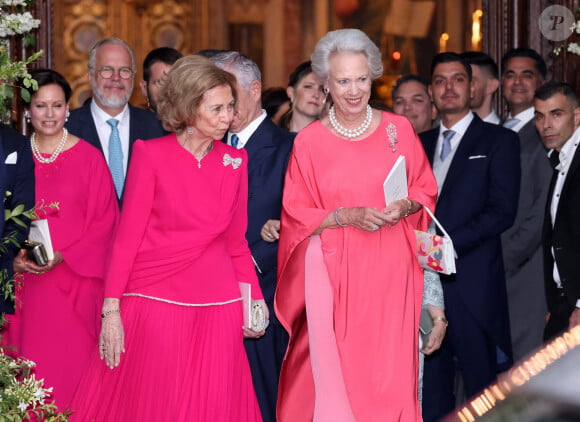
pixel 557 116
pixel 268 148
pixel 108 121
pixel 477 168
pixel 16 177
pixel 524 70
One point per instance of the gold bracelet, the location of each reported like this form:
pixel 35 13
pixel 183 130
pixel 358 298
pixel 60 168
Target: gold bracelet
pixel 408 212
pixel 109 312
pixel 440 318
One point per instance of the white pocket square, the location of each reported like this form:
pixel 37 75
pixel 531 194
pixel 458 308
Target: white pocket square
pixel 12 158
pixel 475 157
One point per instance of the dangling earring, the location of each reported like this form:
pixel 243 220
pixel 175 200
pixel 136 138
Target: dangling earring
pixel 189 130
pixel 27 116
pixel 66 116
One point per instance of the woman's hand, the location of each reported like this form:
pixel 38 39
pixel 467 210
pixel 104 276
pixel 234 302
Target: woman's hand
pixel 271 231
pixel 437 334
pixel 248 332
pixel 397 210
pixel 112 338
pixel 363 218
pixel 24 265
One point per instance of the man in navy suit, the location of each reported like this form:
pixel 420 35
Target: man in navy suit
pixel 16 177
pixel 557 117
pixel 477 167
pixel 111 74
pixel 268 148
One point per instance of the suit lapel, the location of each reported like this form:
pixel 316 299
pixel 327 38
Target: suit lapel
pixel 461 158
pixel 572 174
pixel 258 144
pixel 88 129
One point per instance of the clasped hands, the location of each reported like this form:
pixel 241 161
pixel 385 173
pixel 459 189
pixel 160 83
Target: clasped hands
pixel 24 265
pixel 370 219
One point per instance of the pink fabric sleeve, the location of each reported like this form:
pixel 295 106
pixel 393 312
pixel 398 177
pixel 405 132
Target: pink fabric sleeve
pixel 237 243
pixel 88 255
pixel 420 180
pixel 137 205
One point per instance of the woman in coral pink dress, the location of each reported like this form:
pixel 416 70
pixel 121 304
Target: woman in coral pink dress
pixel 56 323
pixel 350 287
pixel 172 337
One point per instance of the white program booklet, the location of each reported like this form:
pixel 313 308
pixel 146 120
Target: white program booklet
pixel 395 185
pixel 39 232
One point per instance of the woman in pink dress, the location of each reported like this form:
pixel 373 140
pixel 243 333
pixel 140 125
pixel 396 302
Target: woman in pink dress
pixel 350 287
pixel 171 337
pixel 57 320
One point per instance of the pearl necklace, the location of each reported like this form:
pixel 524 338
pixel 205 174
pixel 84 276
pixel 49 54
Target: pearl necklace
pixel 350 133
pixel 38 155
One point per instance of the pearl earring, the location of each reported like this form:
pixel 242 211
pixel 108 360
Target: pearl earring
pixel 66 116
pixel 27 116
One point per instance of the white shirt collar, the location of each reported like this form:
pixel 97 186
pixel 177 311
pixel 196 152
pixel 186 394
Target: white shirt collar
pixel 100 116
pixel 459 128
pixel 568 150
pixel 524 117
pixel 245 134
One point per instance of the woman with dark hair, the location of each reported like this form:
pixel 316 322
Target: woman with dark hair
pixel 276 103
pixel 307 98
pixel 57 323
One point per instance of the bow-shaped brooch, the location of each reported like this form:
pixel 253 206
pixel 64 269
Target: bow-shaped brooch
pixel 235 162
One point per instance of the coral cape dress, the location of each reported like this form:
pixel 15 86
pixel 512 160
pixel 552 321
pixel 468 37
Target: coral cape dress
pixel 376 284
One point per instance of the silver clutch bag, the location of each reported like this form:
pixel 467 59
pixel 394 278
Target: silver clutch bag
pixel 258 318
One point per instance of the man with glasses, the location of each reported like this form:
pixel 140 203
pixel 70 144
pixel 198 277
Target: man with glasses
pixel 108 121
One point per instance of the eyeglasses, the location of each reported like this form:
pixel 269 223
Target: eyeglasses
pixel 107 72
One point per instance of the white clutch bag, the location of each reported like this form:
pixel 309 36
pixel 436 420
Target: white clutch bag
pixel 254 316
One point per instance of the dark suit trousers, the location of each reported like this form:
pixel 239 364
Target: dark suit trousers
pixel 466 348
pixel 559 319
pixel 265 356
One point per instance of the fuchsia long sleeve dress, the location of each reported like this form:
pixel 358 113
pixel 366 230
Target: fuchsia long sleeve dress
pixel 58 322
pixel 178 256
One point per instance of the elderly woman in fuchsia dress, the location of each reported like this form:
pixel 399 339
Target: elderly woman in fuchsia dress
pixel 172 337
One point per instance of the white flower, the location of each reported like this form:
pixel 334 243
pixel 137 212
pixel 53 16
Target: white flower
pixel 22 406
pixel 574 48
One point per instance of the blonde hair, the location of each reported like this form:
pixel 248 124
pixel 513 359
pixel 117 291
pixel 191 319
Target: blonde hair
pixel 183 89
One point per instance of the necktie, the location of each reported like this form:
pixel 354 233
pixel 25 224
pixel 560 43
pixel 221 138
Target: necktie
pixel 116 157
pixel 554 159
pixel 447 135
pixel 510 123
pixel 235 140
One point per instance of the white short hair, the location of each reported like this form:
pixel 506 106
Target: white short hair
pixel 344 41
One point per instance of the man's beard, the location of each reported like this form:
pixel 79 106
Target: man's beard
pixel 112 102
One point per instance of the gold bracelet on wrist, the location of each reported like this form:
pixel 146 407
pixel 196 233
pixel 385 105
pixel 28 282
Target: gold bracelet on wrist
pixel 440 318
pixel 109 312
